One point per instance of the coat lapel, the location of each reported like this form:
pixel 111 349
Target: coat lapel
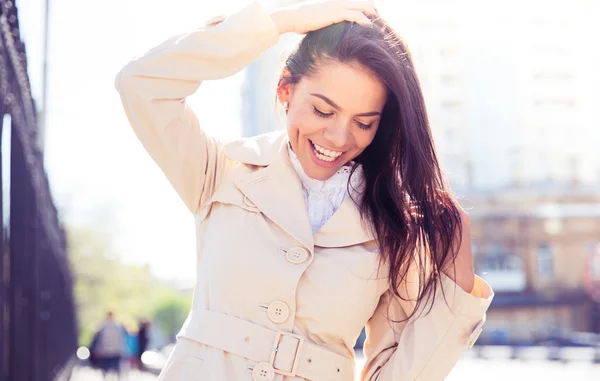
pixel 277 192
pixel 344 228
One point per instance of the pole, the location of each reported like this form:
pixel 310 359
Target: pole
pixel 42 117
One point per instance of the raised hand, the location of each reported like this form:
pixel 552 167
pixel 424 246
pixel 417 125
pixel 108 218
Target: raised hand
pixel 307 16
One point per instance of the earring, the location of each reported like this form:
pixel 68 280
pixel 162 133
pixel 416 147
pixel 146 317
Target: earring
pixel 286 106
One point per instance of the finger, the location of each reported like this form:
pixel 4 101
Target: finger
pixel 367 7
pixel 357 17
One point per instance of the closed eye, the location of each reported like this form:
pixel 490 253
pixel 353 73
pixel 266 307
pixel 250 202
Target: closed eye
pixel 320 113
pixel 364 126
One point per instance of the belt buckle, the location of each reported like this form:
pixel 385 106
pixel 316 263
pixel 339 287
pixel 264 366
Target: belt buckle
pixel 292 372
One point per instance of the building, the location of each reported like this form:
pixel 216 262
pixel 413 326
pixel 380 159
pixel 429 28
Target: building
pixel 260 113
pixel 537 250
pixel 511 88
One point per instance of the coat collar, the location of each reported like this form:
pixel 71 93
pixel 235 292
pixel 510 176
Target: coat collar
pixel 276 190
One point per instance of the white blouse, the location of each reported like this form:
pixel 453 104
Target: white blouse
pixel 323 198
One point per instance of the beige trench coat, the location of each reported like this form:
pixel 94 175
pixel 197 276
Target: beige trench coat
pixel 274 301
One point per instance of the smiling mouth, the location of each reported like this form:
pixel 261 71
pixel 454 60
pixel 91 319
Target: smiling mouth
pixel 325 154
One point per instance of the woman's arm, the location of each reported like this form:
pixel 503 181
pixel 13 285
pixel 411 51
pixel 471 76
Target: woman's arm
pixel 427 346
pixel 154 88
pixel 461 269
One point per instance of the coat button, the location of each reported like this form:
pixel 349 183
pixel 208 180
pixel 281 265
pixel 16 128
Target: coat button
pixel 249 202
pixel 278 312
pixel 297 255
pixel 263 371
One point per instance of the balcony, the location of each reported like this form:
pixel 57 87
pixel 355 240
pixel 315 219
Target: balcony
pixel 504 273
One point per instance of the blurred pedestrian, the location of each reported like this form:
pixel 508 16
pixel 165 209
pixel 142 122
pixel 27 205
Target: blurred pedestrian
pixel 130 356
pixel 109 346
pixel 142 341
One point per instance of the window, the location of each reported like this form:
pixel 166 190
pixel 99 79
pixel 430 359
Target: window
pixel 451 105
pixel 553 76
pixel 499 261
pixel 545 261
pixel 495 249
pixel 449 52
pixel 474 247
pixel 550 104
pixel 593 266
pixel 450 79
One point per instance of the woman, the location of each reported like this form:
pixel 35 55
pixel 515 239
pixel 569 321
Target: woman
pixel 306 236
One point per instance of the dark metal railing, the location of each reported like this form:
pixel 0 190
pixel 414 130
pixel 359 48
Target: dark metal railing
pixel 38 332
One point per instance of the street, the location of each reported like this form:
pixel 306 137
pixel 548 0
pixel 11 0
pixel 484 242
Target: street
pixel 467 369
pixel 516 370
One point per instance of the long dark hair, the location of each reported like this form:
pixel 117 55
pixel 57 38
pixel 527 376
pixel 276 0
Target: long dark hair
pixel 406 202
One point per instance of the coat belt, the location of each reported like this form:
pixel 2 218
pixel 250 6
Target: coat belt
pixel 289 354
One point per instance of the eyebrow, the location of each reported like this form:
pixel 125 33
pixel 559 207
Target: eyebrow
pixel 335 106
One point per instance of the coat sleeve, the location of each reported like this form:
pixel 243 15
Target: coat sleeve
pixel 426 347
pixel 154 87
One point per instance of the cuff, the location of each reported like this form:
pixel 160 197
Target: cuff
pixel 481 288
pixel 473 304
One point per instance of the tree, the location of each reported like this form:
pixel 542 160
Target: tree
pixel 170 312
pixel 103 283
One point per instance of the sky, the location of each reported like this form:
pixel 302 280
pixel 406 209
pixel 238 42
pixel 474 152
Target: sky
pixel 100 175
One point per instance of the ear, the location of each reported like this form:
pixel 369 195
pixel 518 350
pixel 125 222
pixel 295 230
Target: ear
pixel 284 90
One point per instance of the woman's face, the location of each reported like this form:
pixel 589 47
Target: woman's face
pixel 333 116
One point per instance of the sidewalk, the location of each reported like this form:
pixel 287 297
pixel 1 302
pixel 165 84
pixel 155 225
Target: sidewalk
pixel 89 374
pixel 467 369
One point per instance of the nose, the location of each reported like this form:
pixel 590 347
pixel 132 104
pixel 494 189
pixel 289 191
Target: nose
pixel 338 134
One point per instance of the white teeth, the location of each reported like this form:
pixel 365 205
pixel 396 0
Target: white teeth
pixel 325 154
pixel 324 158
